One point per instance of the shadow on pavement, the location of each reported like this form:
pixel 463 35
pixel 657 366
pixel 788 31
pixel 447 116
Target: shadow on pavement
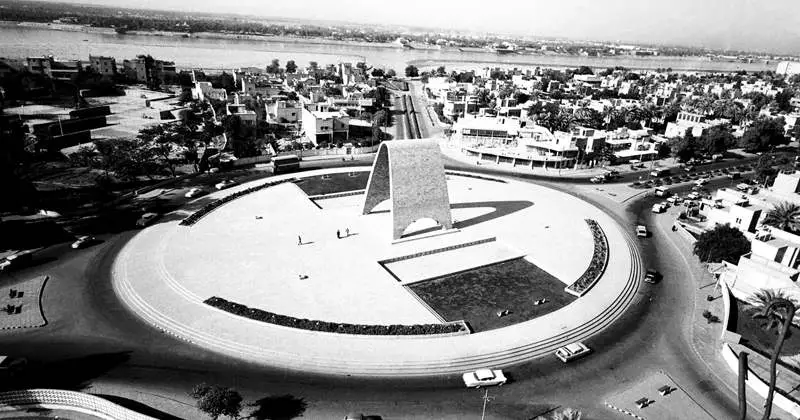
pixel 138 407
pixel 281 407
pixel 70 374
pixel 501 208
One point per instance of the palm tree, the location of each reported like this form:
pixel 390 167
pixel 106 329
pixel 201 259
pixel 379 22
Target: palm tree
pixel 784 216
pixel 777 309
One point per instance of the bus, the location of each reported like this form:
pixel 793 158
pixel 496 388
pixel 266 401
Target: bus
pixel 285 164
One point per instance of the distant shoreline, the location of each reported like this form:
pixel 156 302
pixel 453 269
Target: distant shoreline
pixel 473 58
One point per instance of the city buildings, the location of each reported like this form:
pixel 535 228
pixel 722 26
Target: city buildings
pixel 106 66
pixel 695 123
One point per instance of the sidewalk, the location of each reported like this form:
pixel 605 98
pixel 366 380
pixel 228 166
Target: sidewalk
pixel 706 337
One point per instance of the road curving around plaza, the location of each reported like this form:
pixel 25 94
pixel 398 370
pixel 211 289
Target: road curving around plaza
pixel 159 298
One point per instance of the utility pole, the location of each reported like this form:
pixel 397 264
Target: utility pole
pixel 486 399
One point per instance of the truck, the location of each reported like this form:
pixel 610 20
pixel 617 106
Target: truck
pixel 659 172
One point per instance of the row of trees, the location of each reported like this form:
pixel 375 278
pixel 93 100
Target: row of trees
pixel 216 401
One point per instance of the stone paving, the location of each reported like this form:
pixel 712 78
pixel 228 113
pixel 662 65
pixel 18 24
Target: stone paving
pixel 155 286
pixel 27 296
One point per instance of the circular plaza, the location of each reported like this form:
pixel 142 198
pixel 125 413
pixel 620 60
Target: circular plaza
pixel 294 275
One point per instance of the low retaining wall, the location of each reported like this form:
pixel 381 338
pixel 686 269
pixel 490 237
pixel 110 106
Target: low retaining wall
pixel 67 400
pixel 757 384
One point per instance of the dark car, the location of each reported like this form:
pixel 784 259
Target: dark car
pixel 652 277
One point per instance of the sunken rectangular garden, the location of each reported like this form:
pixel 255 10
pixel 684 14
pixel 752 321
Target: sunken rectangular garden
pixel 476 296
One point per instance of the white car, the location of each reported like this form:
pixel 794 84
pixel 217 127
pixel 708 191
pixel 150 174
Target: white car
pixel 194 192
pixel 701 181
pixel 641 231
pixel 225 184
pixel 146 219
pixel 693 195
pixel 484 377
pixel 83 242
pixel 572 351
pixel 597 180
pixel 659 208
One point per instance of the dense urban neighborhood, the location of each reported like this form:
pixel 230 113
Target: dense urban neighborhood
pixel 343 239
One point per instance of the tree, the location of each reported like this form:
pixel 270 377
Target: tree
pixel 683 148
pixel 274 67
pixel 762 134
pixel 722 243
pixel 441 71
pixel 715 140
pixel 784 216
pixel 783 100
pixel 583 70
pixel 778 309
pixel 291 67
pixel 217 401
pixel 412 71
pixel 391 73
pixel 378 73
pixel 278 408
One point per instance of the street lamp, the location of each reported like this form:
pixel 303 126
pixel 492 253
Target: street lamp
pixel 486 399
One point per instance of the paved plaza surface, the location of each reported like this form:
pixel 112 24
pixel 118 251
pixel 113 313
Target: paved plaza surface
pixel 247 251
pixel 26 296
pixel 665 400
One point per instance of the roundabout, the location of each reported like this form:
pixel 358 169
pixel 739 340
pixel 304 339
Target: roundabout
pixel 246 251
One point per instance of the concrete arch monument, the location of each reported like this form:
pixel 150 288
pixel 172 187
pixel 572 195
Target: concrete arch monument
pixel 410 173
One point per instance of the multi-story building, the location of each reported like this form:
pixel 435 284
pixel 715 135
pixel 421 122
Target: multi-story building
pixel 146 69
pixel 106 66
pixel 246 116
pixel 696 123
pixel 203 91
pixel 56 70
pixel 325 126
pixel 283 112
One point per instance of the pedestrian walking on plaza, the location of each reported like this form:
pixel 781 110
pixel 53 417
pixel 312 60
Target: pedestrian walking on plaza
pixel 299 240
pixel 347 232
pixel 338 234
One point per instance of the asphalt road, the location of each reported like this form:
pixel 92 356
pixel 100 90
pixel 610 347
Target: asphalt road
pixel 92 338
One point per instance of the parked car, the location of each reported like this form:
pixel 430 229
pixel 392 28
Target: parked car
pixel 225 184
pixel 146 219
pixel 659 208
pixel 734 175
pixel 694 195
pixel 662 192
pixel 701 181
pixel 572 351
pixel 83 242
pixel 641 231
pixel 597 179
pixel 484 377
pixel 20 259
pixel 359 416
pixel 652 276
pixel 194 192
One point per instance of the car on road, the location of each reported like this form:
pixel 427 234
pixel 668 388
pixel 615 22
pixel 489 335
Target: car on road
pixel 694 195
pixel 83 242
pixel 572 351
pixel 20 259
pixel 225 184
pixel 662 192
pixel 146 219
pixel 659 208
pixel 194 192
pixel 641 231
pixel 701 181
pixel 484 377
pixel 359 416
pixel 597 179
pixel 734 175
pixel 652 276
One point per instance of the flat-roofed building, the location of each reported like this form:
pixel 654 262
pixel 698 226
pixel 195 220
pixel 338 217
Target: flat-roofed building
pixel 106 66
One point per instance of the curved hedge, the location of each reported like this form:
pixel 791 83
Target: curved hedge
pixel 596 266
pixel 333 327
pixel 208 208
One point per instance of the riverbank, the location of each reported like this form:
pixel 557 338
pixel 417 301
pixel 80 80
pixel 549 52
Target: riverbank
pixel 225 51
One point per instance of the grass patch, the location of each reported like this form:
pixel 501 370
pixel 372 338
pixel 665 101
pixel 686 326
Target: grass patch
pixel 477 295
pixel 757 338
pixel 334 183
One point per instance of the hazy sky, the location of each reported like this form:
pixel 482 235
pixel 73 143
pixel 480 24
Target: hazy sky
pixel 770 25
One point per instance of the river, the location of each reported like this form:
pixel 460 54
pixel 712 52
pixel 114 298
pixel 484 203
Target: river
pixel 211 53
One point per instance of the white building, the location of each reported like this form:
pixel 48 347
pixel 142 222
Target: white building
pixel 698 124
pixel 325 126
pixel 788 68
pixel 203 91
